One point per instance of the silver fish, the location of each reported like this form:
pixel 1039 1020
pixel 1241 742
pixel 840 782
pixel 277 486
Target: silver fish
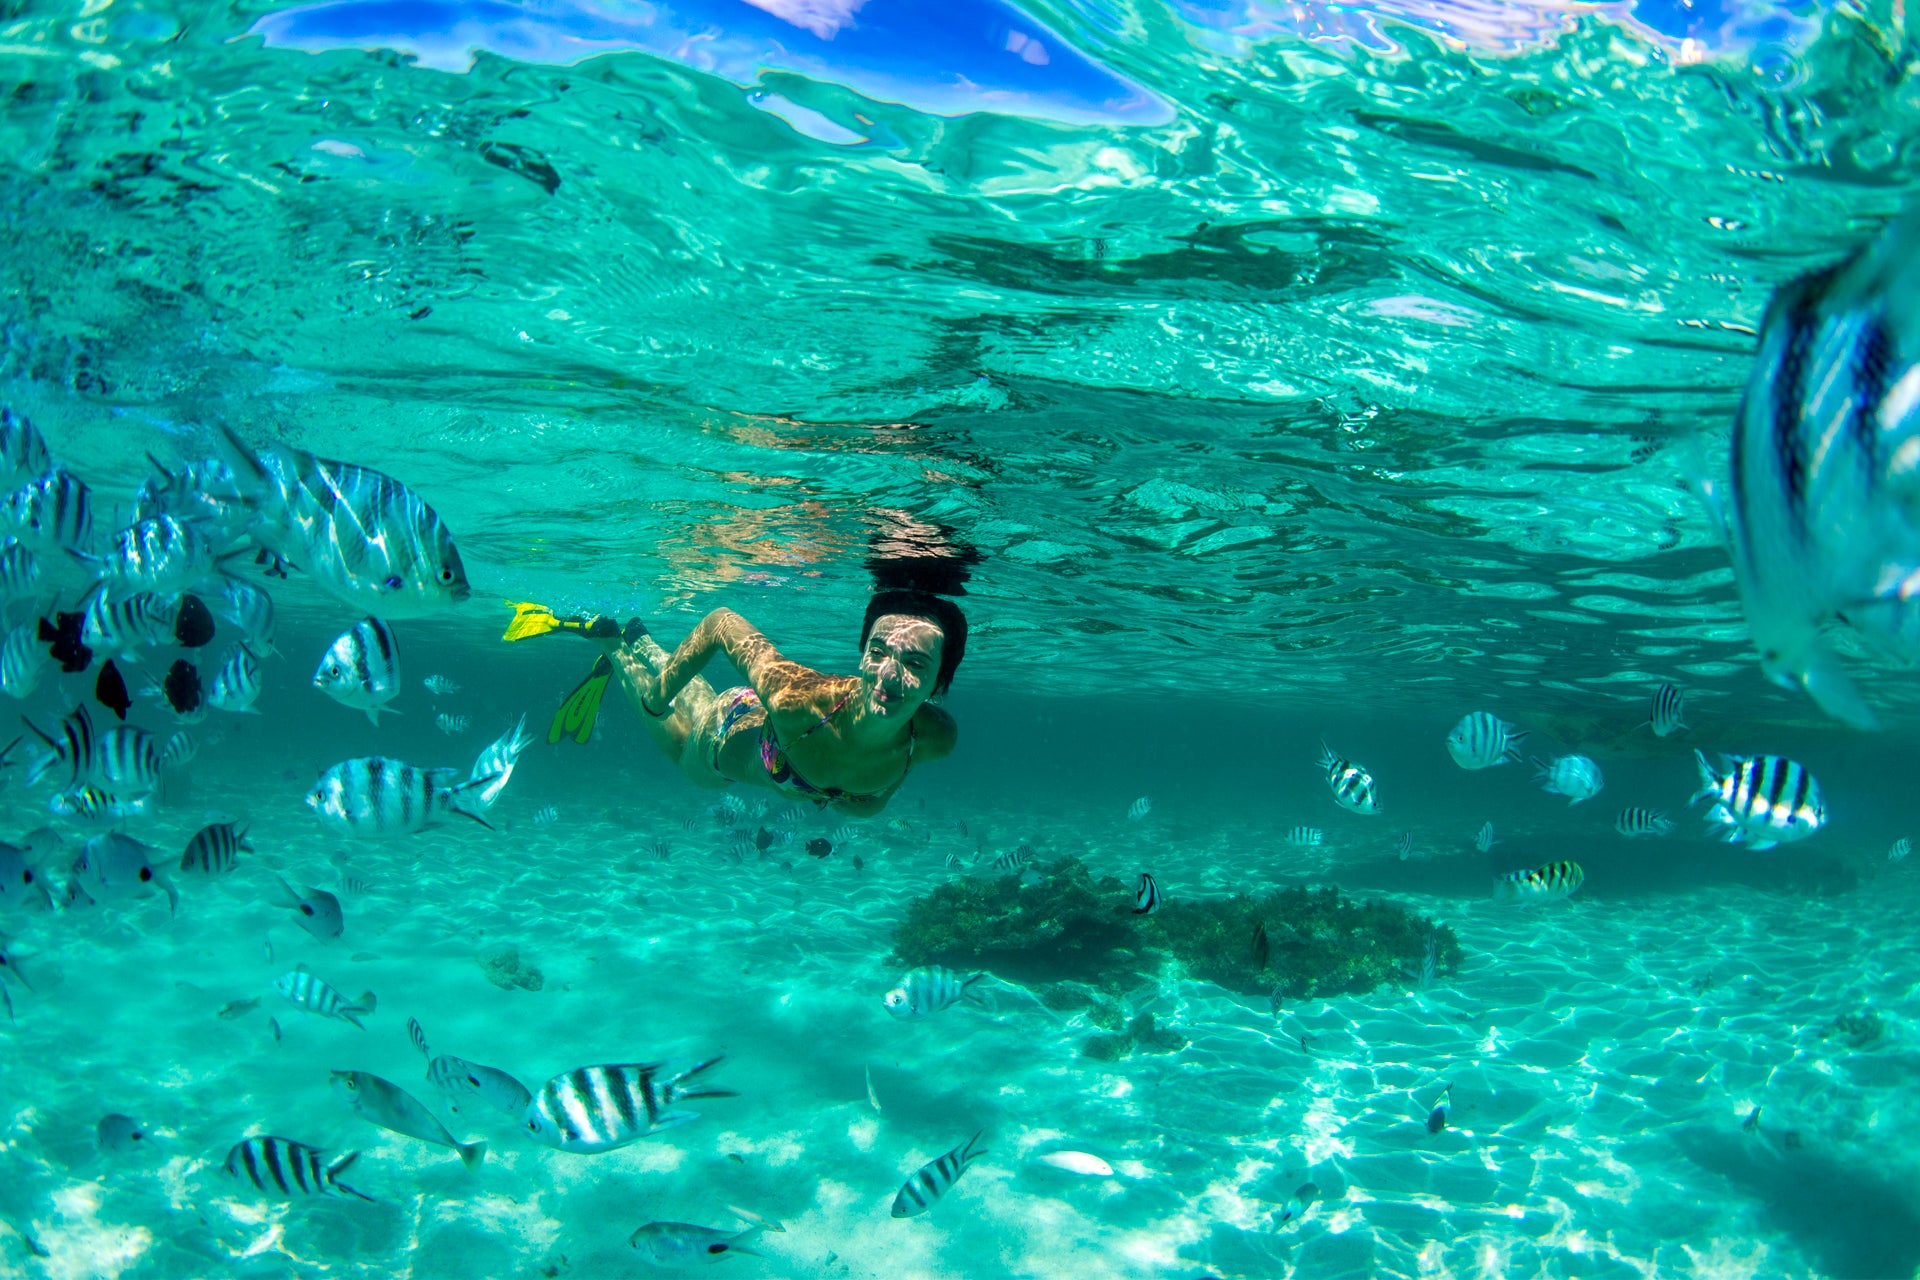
pixel 118 1133
pixel 362 668
pixel 237 684
pixel 316 997
pixel 160 554
pixel 1483 840
pixel 19 572
pixel 318 912
pixel 375 795
pixel 440 686
pixel 23 660
pixel 250 609
pixel 111 625
pixel 1576 777
pixel 1817 500
pixel 451 724
pixel 179 751
pixel 594 1109
pixel 1305 837
pixel 1900 849
pixel 21 884
pixel 682 1245
pixel 934 1179
pixel 203 492
pixel 1482 740
pixel 386 1104
pixel 50 513
pixel 1437 1118
pixel 287 1169
pixel 1297 1205
pixel 1140 808
pixel 929 990
pixel 366 539
pixel 113 866
pixel 92 806
pixel 23 452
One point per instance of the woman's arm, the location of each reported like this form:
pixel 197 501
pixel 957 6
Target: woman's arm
pixel 751 654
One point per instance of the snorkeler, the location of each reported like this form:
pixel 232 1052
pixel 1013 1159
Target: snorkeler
pixel 844 741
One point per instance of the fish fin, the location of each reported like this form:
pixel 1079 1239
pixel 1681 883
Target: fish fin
pixel 347 1015
pixel 471 1153
pixel 366 1003
pixel 576 716
pixel 967 1153
pixel 373 714
pixel 7 998
pixel 240 458
pixel 173 894
pixel 1821 676
pixel 292 898
pixel 340 1166
pixel 760 1223
pixel 673 1120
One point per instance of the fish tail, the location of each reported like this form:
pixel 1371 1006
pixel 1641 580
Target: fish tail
pixel 338 1167
pixel 245 464
pixel 967 1153
pixel 471 1153
pixel 1709 781
pixel 468 799
pixel 366 1003
pixel 1834 691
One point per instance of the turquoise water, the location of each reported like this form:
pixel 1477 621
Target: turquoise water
pixel 1298 372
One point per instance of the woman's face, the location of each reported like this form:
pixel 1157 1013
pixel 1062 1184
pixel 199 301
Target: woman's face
pixel 900 663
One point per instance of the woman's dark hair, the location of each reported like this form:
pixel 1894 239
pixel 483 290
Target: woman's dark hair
pixel 942 613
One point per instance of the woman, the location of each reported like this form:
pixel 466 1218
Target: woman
pixel 844 741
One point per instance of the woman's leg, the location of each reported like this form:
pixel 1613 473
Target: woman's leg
pixel 684 734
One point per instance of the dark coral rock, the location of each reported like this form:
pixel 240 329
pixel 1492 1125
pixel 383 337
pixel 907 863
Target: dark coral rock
pixel 1149 1038
pixel 1061 925
pixel 1319 943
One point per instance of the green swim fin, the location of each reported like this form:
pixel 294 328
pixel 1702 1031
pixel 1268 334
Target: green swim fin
pixel 576 715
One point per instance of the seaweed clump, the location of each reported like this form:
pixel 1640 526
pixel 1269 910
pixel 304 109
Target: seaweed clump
pixel 1060 924
pixel 1305 943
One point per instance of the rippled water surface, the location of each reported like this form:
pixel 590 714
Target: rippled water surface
pixel 1297 372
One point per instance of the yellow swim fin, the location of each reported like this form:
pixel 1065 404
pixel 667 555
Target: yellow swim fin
pixel 576 715
pixel 531 619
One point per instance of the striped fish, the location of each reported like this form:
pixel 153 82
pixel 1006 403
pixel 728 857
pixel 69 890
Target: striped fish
pixel 440 686
pixel 179 751
pixel 19 571
pixel 1353 787
pixel 287 1169
pixel 845 834
pixel 51 512
pixel 250 609
pixel 23 452
pixel 594 1109
pixel 159 554
pixel 377 795
pixel 1669 703
pixel 1901 848
pixel 934 1179
pixel 92 806
pixel 1483 839
pixel 237 683
pixel 114 866
pixel 202 491
pixel 111 626
pixel 1550 883
pixel 215 848
pixel 126 762
pixel 1014 859
pixel 929 989
pixel 1140 808
pixel 1636 822
pixel 462 1081
pixel 361 668
pixel 1575 777
pixel 1146 896
pixel 450 724
pixel 316 997
pixel 1817 499
pixel 1762 800
pixel 1403 845
pixel 365 538
pixel 1305 837
pixel 1482 740
pixel 23 660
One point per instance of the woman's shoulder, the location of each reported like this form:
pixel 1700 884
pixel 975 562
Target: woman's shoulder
pixel 935 732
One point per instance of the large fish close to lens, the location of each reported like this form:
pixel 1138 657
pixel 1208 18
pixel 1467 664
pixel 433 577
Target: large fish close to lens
pixel 1818 502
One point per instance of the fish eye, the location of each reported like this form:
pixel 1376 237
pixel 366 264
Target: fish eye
pixel 716 1248
pixel 393 583
pixel 446 574
pixel 146 873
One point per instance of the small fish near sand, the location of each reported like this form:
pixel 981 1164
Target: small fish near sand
pixel 317 911
pixel 1297 1205
pixel 1483 839
pixel 1636 822
pixel 1140 808
pixel 1762 801
pixel 678 1246
pixel 928 990
pixel 440 686
pixel 1305 837
pixel 934 1179
pixel 1551 883
pixel 386 1104
pixel 1900 849
pixel 1261 947
pixel 289 1170
pixel 1669 703
pixel 117 1133
pixel 215 849
pixel 313 996
pixel 466 1082
pixel 1437 1118
pixel 1078 1162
